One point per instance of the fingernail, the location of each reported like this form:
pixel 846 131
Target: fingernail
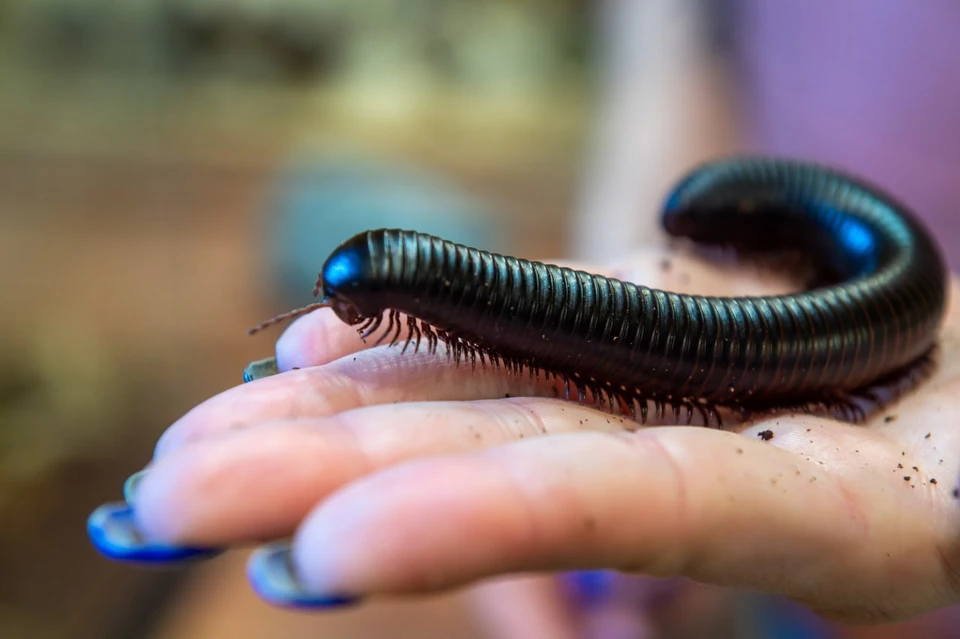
pixel 112 530
pixel 132 486
pixel 591 586
pixel 260 369
pixel 273 577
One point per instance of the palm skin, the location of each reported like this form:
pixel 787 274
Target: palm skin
pixel 400 474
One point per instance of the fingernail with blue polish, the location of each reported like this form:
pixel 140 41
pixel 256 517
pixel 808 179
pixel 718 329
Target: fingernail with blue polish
pixel 273 577
pixel 260 369
pixel 112 530
pixel 132 486
pixel 591 586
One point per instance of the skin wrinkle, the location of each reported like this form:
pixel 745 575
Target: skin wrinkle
pixel 530 503
pixel 347 426
pixel 525 534
pixel 851 498
pixel 696 563
pixel 521 409
pixel 540 501
pixel 375 454
pixel 642 444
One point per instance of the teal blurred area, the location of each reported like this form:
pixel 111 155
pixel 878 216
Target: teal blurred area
pixel 318 202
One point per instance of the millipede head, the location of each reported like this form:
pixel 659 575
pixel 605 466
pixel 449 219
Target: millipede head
pixel 345 270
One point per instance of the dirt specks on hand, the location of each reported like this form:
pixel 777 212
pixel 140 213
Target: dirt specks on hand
pixel 890 418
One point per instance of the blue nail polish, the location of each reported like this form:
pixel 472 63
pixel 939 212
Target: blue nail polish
pixel 113 532
pixel 260 369
pixel 591 586
pixel 132 486
pixel 272 576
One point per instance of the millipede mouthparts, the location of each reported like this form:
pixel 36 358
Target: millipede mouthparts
pixel 870 314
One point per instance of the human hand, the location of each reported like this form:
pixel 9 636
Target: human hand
pixel 401 473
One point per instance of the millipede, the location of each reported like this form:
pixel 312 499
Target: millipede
pixel 868 314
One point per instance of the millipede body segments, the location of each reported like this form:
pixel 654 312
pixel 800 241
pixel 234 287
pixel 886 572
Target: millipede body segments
pixel 873 308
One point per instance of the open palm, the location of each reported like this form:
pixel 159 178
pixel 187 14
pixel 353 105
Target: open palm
pixel 402 473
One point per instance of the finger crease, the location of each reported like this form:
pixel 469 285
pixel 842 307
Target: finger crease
pixel 660 563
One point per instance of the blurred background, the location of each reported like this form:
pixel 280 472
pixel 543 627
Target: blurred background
pixel 173 172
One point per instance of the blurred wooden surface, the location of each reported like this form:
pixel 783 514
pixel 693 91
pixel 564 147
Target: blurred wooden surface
pixel 125 303
pixel 132 281
pixel 131 199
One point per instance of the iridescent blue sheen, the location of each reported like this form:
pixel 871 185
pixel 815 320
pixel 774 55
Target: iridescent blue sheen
pixel 346 267
pixel 860 242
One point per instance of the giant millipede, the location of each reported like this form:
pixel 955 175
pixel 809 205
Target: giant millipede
pixel 871 311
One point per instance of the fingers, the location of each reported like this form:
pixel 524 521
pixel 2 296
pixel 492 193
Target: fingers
pixel 710 505
pixel 259 482
pixel 370 377
pixel 314 339
pixel 320 337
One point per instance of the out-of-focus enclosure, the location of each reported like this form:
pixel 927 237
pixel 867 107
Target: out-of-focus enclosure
pixel 172 172
pixel 159 163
